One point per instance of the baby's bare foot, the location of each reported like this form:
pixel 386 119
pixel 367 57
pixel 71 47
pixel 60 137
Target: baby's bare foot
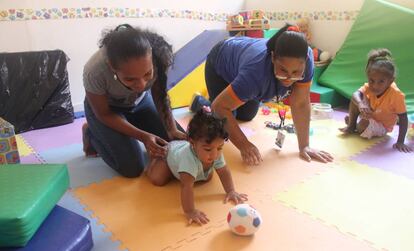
pixel 347 130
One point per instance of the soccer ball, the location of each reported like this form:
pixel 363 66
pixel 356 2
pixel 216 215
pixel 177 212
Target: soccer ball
pixel 244 220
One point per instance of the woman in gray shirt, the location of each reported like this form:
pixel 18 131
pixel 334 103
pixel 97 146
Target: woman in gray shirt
pixel 126 99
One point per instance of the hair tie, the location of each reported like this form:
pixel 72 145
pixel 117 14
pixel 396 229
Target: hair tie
pixel 123 27
pixel 206 109
pixel 382 58
pixel 293 28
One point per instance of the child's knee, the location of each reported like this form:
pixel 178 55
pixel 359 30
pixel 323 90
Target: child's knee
pixel 158 181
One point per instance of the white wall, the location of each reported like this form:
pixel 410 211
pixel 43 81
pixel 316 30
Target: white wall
pixel 78 37
pixel 327 34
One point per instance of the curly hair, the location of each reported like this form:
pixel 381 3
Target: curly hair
pixel 204 125
pixel 162 56
pixel 125 42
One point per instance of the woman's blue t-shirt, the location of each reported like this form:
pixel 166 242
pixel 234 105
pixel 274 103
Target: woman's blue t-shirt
pixel 245 63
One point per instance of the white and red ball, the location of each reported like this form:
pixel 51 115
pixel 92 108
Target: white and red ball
pixel 244 220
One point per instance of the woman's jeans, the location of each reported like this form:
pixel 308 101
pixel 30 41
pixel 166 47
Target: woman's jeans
pixel 121 152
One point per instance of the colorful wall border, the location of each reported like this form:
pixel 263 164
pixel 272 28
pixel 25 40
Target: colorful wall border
pixel 112 12
pixel 313 15
pixel 89 12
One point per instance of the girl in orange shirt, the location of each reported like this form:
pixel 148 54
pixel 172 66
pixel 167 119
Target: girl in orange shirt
pixel 379 102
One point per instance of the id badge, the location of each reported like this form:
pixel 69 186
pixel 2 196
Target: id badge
pixel 280 139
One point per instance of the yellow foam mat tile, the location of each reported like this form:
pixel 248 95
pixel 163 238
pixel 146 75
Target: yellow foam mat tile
pixel 325 135
pixel 24 148
pixel 368 203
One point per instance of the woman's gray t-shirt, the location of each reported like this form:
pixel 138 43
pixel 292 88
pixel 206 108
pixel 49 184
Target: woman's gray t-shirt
pixel 98 79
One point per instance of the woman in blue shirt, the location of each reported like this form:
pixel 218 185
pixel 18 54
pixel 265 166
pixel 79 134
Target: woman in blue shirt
pixel 241 72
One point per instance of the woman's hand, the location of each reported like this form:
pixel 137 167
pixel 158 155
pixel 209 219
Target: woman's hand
pixel 250 154
pixel 196 216
pixel 236 197
pixel 156 146
pixel 176 134
pixel 308 153
pixel 402 147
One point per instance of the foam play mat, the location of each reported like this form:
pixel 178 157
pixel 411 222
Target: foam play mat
pixel 357 199
pixel 28 193
pixel 140 205
pixel 24 148
pixel 129 214
pixel 143 210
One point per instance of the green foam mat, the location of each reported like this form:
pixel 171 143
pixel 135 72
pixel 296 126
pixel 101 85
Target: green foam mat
pixel 380 24
pixel 28 192
pixel 327 95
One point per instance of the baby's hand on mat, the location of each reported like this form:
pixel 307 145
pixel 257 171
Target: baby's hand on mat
pixel 197 216
pixel 236 197
pixel 402 147
pixel 308 154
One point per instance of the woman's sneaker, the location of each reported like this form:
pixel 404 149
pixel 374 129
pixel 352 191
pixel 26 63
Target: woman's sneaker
pixel 194 104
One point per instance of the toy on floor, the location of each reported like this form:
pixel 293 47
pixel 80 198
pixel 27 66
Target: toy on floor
pixel 282 116
pixel 244 220
pixel 265 110
pixel 8 145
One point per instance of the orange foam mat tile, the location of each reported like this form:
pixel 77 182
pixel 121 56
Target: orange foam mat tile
pixel 282 229
pixel 145 217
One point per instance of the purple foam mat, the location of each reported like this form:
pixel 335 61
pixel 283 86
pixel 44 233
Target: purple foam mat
pixel 30 159
pixel 385 157
pixel 339 114
pixel 48 138
pixel 82 171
